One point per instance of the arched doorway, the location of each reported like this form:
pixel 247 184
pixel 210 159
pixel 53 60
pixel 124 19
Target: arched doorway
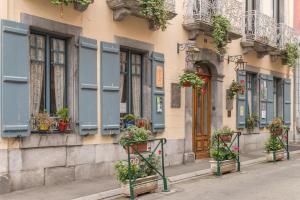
pixel 202 114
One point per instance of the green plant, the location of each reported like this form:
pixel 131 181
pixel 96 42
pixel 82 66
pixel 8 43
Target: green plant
pixel 190 78
pixel 236 88
pixel 156 10
pixel 221 26
pixel 251 121
pixel 67 2
pixel 129 117
pixel 273 144
pixel 134 134
pixel 292 54
pixel 63 114
pixel 224 152
pixel 224 131
pixel 276 126
pixel 139 168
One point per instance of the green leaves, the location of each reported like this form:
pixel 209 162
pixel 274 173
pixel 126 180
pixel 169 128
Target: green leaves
pixel 191 78
pixel 67 2
pixel 134 134
pixel 221 27
pixel 273 144
pixel 155 9
pixel 291 54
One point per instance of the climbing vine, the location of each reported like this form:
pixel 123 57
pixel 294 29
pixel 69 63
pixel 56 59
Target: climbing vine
pixel 291 54
pixel 221 27
pixel 156 10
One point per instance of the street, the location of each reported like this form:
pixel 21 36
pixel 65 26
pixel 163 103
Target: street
pixel 266 181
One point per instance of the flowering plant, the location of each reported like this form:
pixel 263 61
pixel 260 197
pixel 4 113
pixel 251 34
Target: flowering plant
pixel 191 79
pixel 134 134
pixel 236 88
pixel 252 121
pixel 276 127
pixel 44 121
pixel 273 144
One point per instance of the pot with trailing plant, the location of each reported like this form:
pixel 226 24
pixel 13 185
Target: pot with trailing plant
pixel 64 119
pixel 191 79
pixel 80 5
pixel 135 138
pixel 276 127
pixel 223 155
pixel 44 121
pixel 146 179
pixel 128 120
pixel 274 149
pixel 251 122
pixel 236 88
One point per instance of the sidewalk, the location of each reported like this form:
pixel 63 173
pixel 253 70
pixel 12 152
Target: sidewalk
pixel 108 186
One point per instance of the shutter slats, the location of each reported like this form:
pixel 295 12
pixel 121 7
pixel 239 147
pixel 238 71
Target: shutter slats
pixel 88 116
pixel 110 88
pixel 14 68
pixel 263 101
pixel 241 103
pixel 270 100
pixel 287 102
pixel 158 116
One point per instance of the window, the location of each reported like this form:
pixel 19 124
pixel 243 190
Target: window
pixel 47 73
pixel 251 93
pixel 131 83
pixel 278 97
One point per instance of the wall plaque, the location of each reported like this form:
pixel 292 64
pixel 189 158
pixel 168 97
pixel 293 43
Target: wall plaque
pixel 175 95
pixel 159 76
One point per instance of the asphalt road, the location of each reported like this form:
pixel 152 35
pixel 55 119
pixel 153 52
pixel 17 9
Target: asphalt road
pixel 267 181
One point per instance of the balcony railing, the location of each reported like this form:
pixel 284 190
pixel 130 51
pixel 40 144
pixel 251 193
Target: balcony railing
pixel 123 8
pixel 261 29
pixel 286 34
pixel 199 15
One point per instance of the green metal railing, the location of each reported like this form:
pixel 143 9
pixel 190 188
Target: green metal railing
pixel 285 144
pixel 236 138
pixel 150 154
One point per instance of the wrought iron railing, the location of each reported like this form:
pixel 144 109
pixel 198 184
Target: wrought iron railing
pixel 204 10
pixel 286 34
pixel 260 28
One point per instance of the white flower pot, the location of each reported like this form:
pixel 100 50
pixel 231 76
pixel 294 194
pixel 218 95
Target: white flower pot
pixel 278 154
pixel 226 166
pixel 143 185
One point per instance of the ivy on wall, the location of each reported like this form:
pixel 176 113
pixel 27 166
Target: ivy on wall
pixel 156 11
pixel 291 54
pixel 221 27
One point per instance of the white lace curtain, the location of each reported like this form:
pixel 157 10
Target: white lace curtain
pixel 59 85
pixel 36 86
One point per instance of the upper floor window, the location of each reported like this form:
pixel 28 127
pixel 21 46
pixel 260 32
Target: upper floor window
pixel 131 82
pixel 47 73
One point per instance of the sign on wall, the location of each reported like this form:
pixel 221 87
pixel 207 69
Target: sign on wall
pixel 159 76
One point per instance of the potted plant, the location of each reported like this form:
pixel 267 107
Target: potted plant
pixel 251 122
pixel 276 127
pixel 291 54
pixel 225 134
pixel 44 121
pixel 274 149
pixel 129 120
pixel 224 156
pixel 137 135
pixel 191 79
pixel 221 26
pixel 63 119
pixel 145 177
pixel 79 5
pixel 236 88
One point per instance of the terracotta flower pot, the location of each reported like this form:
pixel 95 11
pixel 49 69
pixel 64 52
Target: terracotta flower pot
pixel 226 138
pixel 62 126
pixel 137 148
pixel 277 132
pixel 187 84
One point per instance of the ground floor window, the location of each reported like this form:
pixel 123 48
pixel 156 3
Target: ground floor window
pixel 251 86
pixel 278 97
pixel 47 73
pixel 131 82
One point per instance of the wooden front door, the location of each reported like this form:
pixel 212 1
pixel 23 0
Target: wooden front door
pixel 202 120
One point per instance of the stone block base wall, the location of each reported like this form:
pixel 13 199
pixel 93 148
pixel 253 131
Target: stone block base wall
pixel 253 142
pixel 59 159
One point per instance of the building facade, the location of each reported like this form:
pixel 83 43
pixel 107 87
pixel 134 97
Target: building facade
pixel 107 60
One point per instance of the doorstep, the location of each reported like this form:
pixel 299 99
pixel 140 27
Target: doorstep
pixel 106 187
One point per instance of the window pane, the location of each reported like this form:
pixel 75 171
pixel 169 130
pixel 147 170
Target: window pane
pixel 123 83
pixel 136 85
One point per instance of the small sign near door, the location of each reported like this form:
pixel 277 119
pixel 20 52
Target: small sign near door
pixel 159 76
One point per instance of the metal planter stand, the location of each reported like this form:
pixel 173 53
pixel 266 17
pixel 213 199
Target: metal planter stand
pixel 284 136
pixel 220 141
pixel 132 179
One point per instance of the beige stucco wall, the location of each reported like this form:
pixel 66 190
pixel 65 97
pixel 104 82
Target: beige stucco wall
pixel 97 23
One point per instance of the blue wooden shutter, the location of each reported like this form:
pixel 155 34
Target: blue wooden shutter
pixel 14 69
pixel 270 99
pixel 158 94
pixel 110 88
pixel 287 102
pixel 241 103
pixel 88 120
pixel 263 98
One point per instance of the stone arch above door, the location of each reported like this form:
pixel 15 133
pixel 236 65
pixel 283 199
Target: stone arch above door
pixel 213 62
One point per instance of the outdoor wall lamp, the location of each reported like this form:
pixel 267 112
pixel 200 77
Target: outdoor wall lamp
pixel 240 64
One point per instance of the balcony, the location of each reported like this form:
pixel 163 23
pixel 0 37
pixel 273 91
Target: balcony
pixel 286 34
pixel 123 8
pixel 260 33
pixel 199 15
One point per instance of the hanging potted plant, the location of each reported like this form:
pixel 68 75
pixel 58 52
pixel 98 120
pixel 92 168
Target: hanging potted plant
pixel 223 155
pixel 291 54
pixel 44 121
pixel 146 179
pixel 191 79
pixel 64 119
pixel 80 5
pixel 276 127
pixel 137 135
pixel 274 149
pixel 225 134
pixel 128 120
pixel 220 26
pixel 236 88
